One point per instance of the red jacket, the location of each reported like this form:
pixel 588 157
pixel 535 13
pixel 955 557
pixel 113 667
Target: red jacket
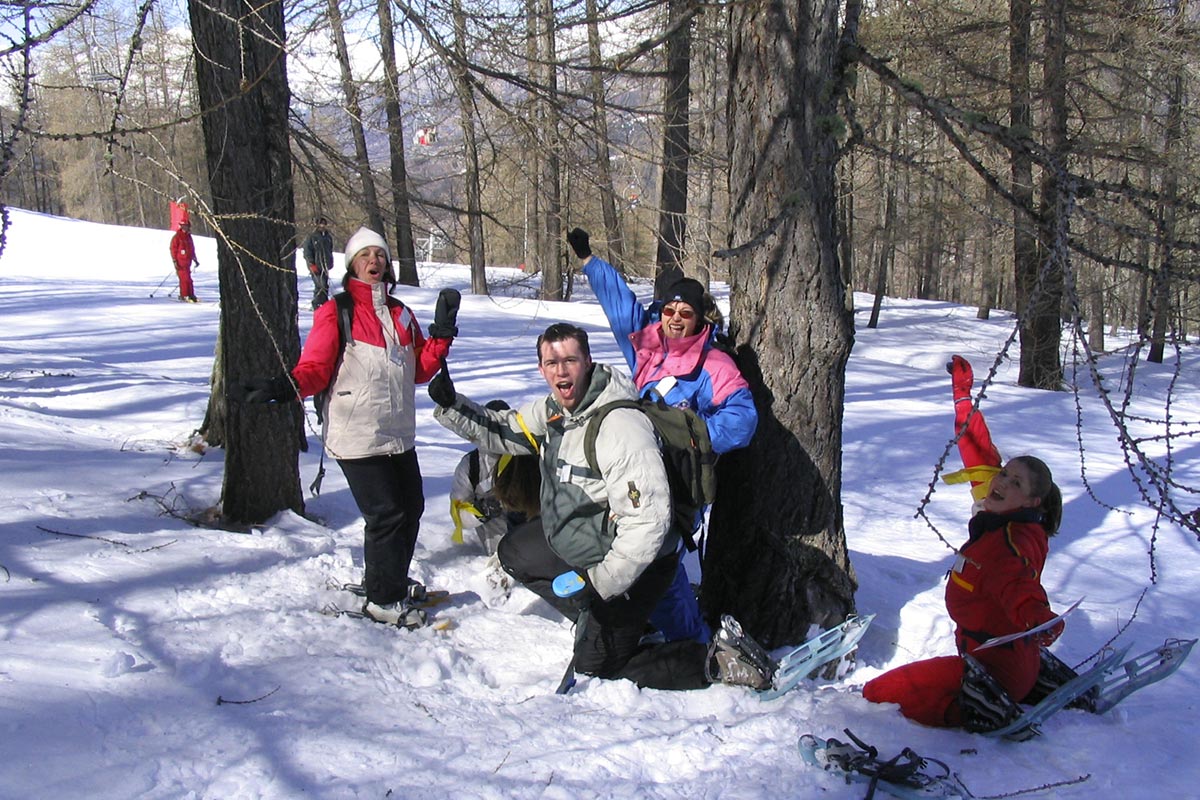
pixel 183 252
pixel 370 408
pixel 995 585
pixel 321 349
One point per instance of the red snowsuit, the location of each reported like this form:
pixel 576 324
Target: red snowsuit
pixel 183 254
pixel 994 589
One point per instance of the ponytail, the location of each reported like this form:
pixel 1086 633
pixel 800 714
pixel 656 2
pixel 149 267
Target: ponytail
pixel 1047 491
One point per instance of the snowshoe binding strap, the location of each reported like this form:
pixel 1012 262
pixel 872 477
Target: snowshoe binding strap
pixel 906 769
pixel 984 703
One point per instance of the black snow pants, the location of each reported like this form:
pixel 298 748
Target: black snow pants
pixel 607 645
pixel 388 492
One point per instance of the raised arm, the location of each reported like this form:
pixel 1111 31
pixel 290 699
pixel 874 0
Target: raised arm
pixel 975 440
pixel 625 314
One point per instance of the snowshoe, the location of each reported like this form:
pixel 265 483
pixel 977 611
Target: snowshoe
pixel 402 614
pixel 984 703
pixel 1025 726
pixel 1150 667
pixel 1052 674
pixel 736 659
pixel 826 648
pixel 907 775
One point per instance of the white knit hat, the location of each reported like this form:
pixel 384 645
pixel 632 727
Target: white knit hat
pixel 365 237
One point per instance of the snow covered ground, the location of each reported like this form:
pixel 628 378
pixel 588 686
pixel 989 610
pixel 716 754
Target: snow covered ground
pixel 144 657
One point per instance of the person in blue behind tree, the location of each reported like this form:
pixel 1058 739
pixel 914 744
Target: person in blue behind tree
pixel 669 350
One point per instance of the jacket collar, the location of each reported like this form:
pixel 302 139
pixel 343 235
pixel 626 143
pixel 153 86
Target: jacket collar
pixel 986 521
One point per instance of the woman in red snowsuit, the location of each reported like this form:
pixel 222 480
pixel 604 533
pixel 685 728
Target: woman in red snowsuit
pixel 994 587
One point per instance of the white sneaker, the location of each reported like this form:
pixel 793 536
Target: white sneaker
pixel 400 614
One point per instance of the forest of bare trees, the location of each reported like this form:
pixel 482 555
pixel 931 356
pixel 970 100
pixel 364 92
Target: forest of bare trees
pixel 1035 157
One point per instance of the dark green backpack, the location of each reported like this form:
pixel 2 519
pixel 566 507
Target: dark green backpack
pixel 687 455
pixel 345 316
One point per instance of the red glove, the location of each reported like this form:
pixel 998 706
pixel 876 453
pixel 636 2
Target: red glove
pixel 1049 637
pixel 962 378
pixel 313 269
pixel 1037 613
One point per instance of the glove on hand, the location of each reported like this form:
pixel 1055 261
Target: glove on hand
pixel 575 587
pixel 578 239
pixel 265 390
pixel 441 388
pixel 962 378
pixel 445 315
pixel 1049 637
pixel 1034 613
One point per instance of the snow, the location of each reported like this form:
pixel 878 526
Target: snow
pixel 143 657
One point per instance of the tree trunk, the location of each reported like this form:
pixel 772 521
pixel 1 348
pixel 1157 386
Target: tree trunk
pixel 1173 132
pixel 887 247
pixel 405 252
pixel 242 77
pixel 777 556
pixel 534 153
pixel 466 107
pixel 608 197
pixel 362 161
pixel 673 199
pixel 1039 283
pixel 552 256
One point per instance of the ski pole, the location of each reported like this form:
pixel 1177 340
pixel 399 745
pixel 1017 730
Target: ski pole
pixel 160 283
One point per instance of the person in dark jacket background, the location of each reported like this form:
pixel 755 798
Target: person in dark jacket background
pixel 318 254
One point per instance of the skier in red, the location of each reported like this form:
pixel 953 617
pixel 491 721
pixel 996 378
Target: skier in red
pixel 994 587
pixel 183 255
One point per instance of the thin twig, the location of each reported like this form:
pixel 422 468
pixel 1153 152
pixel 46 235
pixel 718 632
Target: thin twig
pixel 221 701
pixel 1042 788
pixel 80 536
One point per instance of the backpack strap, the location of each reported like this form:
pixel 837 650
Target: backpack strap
pixel 473 467
pixel 593 430
pixel 345 315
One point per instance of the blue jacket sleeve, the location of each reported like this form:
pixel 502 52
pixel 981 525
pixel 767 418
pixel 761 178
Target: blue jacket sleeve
pixel 731 424
pixel 625 314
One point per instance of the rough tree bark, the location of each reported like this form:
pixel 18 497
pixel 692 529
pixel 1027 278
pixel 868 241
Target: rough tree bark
pixel 242 81
pixel 406 252
pixel 552 256
pixel 608 197
pixel 362 161
pixel 1039 278
pixel 777 555
pixel 466 109
pixel 673 198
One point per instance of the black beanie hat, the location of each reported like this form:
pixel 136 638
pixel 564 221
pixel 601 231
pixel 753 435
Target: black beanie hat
pixel 686 290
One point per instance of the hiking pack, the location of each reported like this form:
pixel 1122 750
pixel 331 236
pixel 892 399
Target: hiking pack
pixel 687 455
pixel 345 317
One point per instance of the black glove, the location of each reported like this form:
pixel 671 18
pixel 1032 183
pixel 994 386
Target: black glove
pixel 578 239
pixel 445 315
pixel 264 390
pixel 441 388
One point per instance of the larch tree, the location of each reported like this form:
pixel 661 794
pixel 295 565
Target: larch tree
pixel 241 76
pixel 777 556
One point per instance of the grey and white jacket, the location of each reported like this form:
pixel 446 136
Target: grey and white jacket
pixel 613 524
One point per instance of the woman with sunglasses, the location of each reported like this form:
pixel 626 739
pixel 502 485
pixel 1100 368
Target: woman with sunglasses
pixel 669 349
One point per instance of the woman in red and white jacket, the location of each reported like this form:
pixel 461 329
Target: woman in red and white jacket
pixel 994 587
pixel 370 413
